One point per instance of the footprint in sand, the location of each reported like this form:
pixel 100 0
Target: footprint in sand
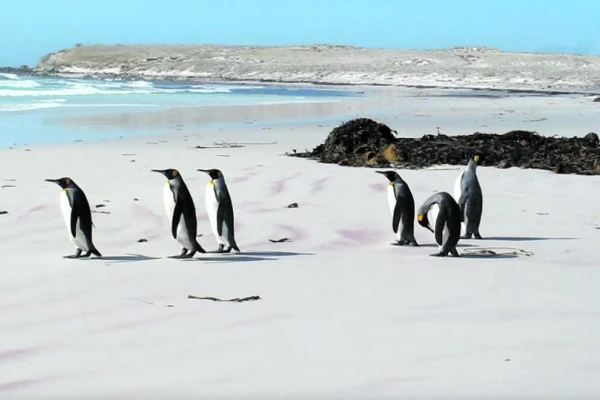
pixel 280 185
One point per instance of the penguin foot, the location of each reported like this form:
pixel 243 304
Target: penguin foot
pixel 466 236
pixel 188 255
pixel 478 236
pixel 181 255
pixel 87 254
pixel 76 255
pixel 199 248
pixel 405 243
pixel 439 254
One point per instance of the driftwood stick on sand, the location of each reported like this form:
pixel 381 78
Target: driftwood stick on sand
pixel 236 300
pixel 228 145
pixel 493 251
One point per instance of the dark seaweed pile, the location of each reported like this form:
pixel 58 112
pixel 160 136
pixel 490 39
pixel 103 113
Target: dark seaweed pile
pixel 364 142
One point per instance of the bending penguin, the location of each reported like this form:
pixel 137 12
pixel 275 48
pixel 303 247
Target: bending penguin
pixel 77 216
pixel 467 193
pixel 402 208
pixel 441 215
pixel 181 213
pixel 220 211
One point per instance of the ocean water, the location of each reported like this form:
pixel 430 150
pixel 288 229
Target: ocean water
pixel 27 104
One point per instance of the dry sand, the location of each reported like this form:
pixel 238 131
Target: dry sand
pixel 343 314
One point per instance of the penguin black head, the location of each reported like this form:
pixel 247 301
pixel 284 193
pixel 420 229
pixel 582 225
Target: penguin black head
pixel 424 221
pixel 168 173
pixel 391 175
pixel 63 182
pixel 213 173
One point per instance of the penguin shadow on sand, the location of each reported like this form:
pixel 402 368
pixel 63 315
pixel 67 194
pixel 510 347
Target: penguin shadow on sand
pixel 126 258
pixel 524 238
pixel 421 244
pixel 245 256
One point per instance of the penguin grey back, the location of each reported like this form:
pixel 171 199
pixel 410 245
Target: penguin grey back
pixel 183 207
pixel 79 218
pixel 403 212
pixel 471 199
pixel 224 218
pixel 447 226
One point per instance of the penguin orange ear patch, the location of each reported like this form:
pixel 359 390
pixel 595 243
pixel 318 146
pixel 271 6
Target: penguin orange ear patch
pixel 420 217
pixel 175 173
pixel 476 158
pixel 67 181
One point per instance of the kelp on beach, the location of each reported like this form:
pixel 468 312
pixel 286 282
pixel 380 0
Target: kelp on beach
pixel 364 142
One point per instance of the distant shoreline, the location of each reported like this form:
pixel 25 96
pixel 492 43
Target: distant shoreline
pixel 474 68
pixel 352 86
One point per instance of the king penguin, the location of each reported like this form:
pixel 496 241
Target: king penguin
pixel 220 211
pixel 402 208
pixel 77 216
pixel 181 213
pixel 467 193
pixel 441 215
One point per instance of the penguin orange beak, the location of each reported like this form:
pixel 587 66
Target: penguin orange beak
pixel 52 180
pixel 203 170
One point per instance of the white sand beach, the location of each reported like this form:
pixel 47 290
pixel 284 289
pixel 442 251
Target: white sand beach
pixel 343 314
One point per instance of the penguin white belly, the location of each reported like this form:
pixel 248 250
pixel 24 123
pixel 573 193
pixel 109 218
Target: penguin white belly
pixel 392 204
pixel 391 195
pixel 78 240
pixel 457 194
pixel 182 236
pixel 212 205
pixel 457 189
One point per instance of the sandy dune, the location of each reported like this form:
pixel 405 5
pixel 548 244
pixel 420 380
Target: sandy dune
pixel 342 314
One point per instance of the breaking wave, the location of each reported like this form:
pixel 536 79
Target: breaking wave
pixel 14 86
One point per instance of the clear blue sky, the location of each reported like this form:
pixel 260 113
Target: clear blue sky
pixel 32 28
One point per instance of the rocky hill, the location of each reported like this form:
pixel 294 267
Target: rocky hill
pixel 472 67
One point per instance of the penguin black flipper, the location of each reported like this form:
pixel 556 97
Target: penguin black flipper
pixel 80 210
pixel 439 229
pixel 224 205
pixel 189 216
pixel 397 216
pixel 192 226
pixel 462 202
pixel 229 222
pixel 177 212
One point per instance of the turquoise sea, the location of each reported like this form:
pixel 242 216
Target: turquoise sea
pixel 30 105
